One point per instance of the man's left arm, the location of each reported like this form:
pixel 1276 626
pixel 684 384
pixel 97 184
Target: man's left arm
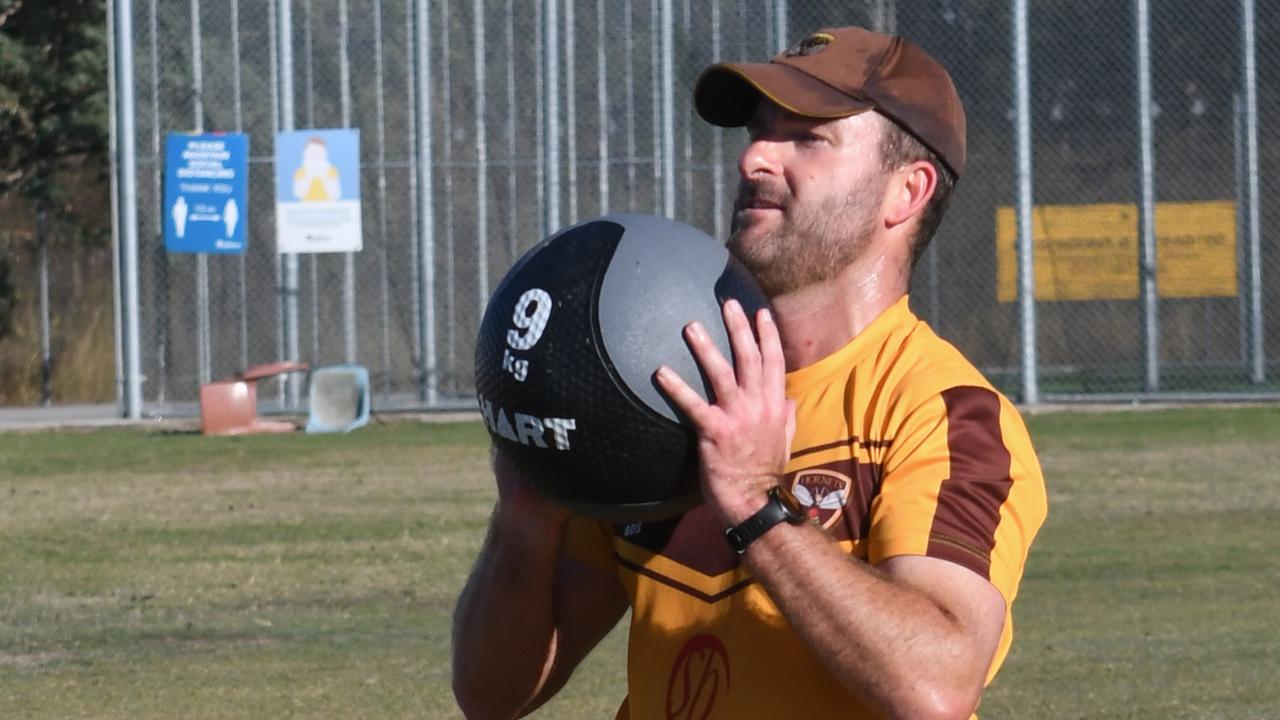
pixel 915 635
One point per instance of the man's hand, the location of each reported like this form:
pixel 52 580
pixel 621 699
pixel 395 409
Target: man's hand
pixel 530 611
pixel 744 438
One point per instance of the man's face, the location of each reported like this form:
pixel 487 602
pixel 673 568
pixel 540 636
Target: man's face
pixel 809 196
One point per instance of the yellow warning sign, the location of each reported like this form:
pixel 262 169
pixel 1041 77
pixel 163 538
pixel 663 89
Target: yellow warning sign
pixel 1090 252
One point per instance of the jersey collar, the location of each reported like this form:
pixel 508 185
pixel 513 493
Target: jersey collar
pixel 864 343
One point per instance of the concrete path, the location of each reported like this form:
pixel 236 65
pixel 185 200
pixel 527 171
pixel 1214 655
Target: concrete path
pixel 61 416
pixel 108 415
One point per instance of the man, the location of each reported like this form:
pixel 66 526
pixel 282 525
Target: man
pixel 869 498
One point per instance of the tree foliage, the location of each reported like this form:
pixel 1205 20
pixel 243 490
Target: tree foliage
pixel 53 95
pixel 53 117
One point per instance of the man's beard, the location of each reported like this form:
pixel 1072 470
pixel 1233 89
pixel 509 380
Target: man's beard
pixel 812 244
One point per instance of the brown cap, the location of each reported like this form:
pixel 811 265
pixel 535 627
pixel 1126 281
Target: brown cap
pixel 837 72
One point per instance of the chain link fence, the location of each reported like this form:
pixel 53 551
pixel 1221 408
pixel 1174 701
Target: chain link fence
pixel 486 123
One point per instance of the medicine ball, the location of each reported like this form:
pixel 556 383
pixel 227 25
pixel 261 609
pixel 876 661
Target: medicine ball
pixel 566 355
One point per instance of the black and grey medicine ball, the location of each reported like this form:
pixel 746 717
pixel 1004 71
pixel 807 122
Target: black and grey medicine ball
pixel 568 348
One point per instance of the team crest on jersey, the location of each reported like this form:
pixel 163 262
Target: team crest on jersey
pixel 823 493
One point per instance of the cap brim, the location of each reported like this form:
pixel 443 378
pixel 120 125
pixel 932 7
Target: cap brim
pixel 726 94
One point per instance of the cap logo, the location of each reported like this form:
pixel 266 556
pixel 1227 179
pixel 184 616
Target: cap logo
pixel 816 42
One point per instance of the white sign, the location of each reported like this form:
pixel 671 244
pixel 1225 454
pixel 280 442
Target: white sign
pixel 318 191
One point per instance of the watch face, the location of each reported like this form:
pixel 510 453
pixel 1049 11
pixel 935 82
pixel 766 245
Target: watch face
pixel 795 511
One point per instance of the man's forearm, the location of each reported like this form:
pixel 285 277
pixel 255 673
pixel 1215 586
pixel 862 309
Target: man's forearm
pixel 886 642
pixel 504 625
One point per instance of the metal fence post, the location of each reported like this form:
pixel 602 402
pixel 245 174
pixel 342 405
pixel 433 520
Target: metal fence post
pixel 780 22
pixel 1146 201
pixel 686 134
pixel 348 258
pixel 426 270
pixel 482 158
pixel 1258 365
pixel 717 139
pixel 273 69
pixel 551 115
pixel 238 115
pixel 46 353
pixel 309 118
pixel 666 27
pixel 629 85
pixel 1024 176
pixel 1242 233
pixel 571 110
pixel 540 114
pixel 450 328
pixel 512 158
pixel 289 284
pixel 415 237
pixel 384 280
pixel 885 16
pixel 602 106
pixel 127 241
pixel 656 100
pixel 204 333
pixel 113 153
pixel 161 346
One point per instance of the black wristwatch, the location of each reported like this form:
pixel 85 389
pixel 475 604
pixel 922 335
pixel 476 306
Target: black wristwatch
pixel 781 505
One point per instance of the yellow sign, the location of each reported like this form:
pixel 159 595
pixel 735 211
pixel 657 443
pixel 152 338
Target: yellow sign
pixel 1090 252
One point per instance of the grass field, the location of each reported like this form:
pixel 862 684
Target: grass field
pixel 156 574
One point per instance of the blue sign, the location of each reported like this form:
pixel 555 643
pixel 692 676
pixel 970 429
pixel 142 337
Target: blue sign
pixel 206 196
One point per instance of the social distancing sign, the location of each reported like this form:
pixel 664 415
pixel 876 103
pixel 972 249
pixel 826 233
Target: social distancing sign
pixel 206 200
pixel 1090 252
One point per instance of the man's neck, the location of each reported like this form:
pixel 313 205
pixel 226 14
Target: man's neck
pixel 818 320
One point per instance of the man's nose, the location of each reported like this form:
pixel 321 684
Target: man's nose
pixel 760 157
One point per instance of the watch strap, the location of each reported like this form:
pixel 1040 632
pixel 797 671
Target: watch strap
pixel 774 511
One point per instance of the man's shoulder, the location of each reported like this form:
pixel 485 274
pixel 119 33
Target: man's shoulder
pixel 925 365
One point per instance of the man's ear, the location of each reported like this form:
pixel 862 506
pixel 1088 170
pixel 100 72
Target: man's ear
pixel 910 189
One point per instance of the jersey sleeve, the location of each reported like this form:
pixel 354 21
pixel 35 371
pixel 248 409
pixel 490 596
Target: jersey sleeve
pixel 590 541
pixel 961 483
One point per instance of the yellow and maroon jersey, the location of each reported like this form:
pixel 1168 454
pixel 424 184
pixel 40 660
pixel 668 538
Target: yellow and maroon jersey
pixel 901 448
